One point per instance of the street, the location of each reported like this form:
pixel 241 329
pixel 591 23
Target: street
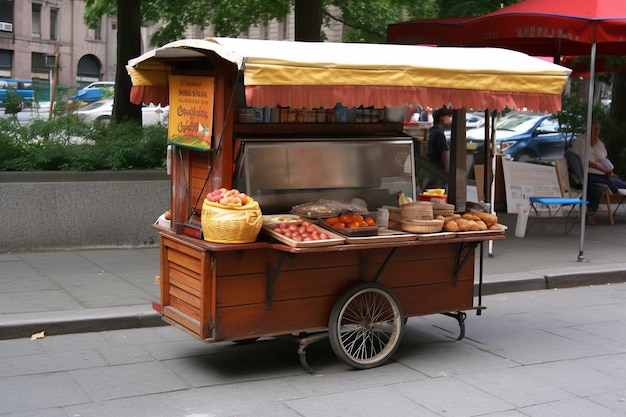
pixel 539 353
pixel 40 111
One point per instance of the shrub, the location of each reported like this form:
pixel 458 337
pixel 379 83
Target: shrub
pixel 67 144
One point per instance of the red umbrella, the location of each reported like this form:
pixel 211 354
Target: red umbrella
pixel 556 28
pixel 552 28
pixel 548 28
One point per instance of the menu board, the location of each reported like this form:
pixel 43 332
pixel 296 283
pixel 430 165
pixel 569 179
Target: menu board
pixel 524 180
pixel 191 111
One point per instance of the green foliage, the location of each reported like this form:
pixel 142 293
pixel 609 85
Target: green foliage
pixel 67 144
pixel 456 8
pixel 366 20
pixel 571 118
pixel 14 103
pixel 573 121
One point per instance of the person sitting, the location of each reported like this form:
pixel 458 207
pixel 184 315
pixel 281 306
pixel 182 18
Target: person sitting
pixel 600 167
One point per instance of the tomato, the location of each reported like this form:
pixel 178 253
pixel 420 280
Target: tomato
pixel 345 218
pixel 339 225
pixel 357 218
pixel 354 225
pixel 370 221
pixel 331 220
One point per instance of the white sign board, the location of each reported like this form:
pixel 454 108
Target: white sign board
pixel 523 180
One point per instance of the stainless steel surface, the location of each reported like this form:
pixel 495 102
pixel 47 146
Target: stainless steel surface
pixel 282 173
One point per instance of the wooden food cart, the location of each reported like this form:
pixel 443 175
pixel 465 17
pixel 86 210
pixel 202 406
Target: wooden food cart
pixel 250 105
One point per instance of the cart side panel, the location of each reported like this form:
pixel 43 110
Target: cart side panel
pixel 428 282
pixel 435 298
pixel 186 287
pixel 252 300
pixel 284 317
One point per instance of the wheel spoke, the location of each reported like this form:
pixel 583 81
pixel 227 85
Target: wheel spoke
pixel 368 325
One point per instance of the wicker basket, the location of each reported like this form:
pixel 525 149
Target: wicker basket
pixel 422 226
pixel 222 224
pixel 419 210
pixel 443 209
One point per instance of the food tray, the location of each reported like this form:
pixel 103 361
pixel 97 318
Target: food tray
pixel 502 229
pixel 280 218
pixel 352 232
pixel 384 235
pixel 335 239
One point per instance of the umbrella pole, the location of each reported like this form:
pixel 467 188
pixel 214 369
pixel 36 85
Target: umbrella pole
pixel 583 216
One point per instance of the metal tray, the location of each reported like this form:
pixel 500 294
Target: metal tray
pixel 335 239
pixel 352 232
pixel 384 235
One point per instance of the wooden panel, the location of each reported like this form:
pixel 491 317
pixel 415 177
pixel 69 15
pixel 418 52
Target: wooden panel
pixel 190 310
pixel 285 317
pixel 244 262
pixel 182 319
pixel 185 296
pixel 187 286
pixel 250 289
pixel 436 298
pixel 181 280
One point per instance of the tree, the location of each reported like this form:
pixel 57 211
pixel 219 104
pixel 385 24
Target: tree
pixel 128 47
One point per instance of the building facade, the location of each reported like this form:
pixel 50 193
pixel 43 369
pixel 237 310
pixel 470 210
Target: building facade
pixel 34 32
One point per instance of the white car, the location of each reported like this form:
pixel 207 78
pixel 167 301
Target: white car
pixel 101 110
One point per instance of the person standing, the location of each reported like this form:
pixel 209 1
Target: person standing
pixel 600 167
pixel 437 149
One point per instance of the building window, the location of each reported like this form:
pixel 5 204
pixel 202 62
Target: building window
pixel 6 63
pixel 97 32
pixel 36 20
pixel 38 67
pixel 53 24
pixel 6 15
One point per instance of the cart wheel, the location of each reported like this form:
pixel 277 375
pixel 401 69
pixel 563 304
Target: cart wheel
pixel 365 325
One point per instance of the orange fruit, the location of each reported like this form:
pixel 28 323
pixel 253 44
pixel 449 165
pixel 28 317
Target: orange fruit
pixel 339 225
pixel 370 221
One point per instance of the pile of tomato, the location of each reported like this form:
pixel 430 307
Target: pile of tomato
pixel 350 221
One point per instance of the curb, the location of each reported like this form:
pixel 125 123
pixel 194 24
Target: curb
pixel 84 321
pixel 121 318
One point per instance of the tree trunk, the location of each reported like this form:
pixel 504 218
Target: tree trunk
pixel 128 47
pixel 308 20
pixel 618 98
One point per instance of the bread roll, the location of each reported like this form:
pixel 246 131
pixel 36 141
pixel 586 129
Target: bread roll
pixel 489 219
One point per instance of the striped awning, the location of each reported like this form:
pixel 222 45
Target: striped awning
pixel 320 75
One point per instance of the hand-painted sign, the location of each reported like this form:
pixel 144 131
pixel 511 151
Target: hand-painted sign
pixel 191 111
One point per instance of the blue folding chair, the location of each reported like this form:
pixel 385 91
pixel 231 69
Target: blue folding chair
pixel 561 203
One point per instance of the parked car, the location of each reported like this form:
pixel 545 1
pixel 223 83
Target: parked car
pixel 523 136
pixel 93 92
pixel 474 120
pixel 23 88
pixel 101 111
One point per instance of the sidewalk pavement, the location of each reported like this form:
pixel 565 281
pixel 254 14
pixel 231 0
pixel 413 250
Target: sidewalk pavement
pixel 90 290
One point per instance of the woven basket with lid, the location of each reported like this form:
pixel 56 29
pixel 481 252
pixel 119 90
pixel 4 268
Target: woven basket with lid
pixel 443 209
pixel 422 226
pixel 419 210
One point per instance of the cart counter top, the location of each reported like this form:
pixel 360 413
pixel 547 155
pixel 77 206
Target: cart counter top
pixel 264 242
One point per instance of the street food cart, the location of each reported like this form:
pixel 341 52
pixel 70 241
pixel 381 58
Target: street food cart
pixel 273 119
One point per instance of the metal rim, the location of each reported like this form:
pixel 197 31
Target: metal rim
pixel 366 325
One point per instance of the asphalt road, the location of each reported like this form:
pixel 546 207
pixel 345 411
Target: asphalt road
pixel 28 114
pixel 539 353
